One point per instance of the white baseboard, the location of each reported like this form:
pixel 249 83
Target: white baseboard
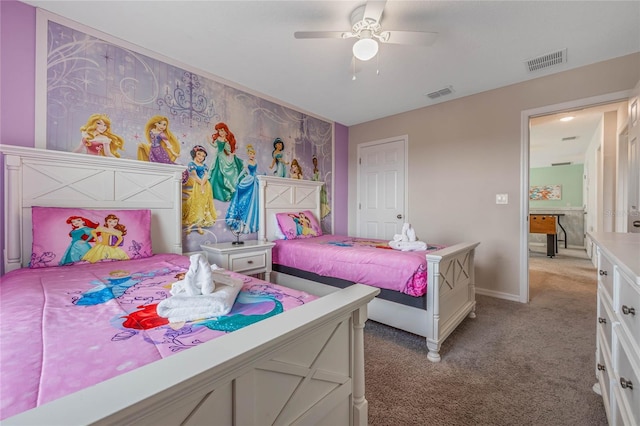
pixel 498 294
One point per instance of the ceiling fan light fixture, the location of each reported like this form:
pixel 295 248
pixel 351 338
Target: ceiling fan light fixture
pixel 365 49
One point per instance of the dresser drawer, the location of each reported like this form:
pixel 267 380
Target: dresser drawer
pixel 627 375
pixel 247 262
pixel 605 322
pixel 619 417
pixel 605 273
pixel 627 305
pixel 603 373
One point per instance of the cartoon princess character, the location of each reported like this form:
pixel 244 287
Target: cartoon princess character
pixel 198 208
pixel 278 158
pixel 108 239
pixel 97 138
pixel 244 203
pixel 296 221
pixel 295 172
pixel 145 318
pixel 115 286
pixel 227 166
pixel 162 146
pixel 305 223
pixel 80 238
pixel 325 209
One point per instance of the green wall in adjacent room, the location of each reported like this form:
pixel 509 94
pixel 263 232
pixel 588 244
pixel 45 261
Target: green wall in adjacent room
pixel 569 176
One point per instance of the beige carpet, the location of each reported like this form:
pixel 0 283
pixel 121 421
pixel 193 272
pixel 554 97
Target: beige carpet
pixel 515 364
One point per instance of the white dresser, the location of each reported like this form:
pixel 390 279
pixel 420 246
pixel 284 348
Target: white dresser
pixel 618 325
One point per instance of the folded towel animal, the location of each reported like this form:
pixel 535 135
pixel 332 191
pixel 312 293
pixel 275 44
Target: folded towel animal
pixel 408 245
pixel 411 234
pixel 198 279
pixel 408 235
pixel 190 308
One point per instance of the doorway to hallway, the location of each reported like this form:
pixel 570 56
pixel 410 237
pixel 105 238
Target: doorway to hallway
pixel 592 199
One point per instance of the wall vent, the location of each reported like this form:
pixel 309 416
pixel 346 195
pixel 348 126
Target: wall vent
pixel 569 138
pixel 442 92
pixel 567 163
pixel 548 60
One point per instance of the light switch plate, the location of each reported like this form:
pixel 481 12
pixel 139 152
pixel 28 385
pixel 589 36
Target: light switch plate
pixel 502 198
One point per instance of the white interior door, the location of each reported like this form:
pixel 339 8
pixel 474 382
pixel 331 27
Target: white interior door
pixel 622 184
pixel 382 185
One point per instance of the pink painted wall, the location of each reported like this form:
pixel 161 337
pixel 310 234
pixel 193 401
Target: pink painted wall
pixel 341 175
pixel 17 82
pixel 17 73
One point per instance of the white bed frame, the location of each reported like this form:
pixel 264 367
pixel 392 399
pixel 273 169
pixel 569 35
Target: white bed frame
pixel 451 281
pixel 304 366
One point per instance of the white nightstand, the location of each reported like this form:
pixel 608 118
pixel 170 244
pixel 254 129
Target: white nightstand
pixel 251 258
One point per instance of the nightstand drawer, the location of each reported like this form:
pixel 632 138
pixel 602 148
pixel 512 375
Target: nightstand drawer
pixel 253 257
pixel 241 263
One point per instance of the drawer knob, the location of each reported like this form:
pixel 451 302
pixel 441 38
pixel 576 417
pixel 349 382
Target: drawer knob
pixel 250 262
pixel 603 272
pixel 628 311
pixel 626 384
pixel 601 367
pixel 602 320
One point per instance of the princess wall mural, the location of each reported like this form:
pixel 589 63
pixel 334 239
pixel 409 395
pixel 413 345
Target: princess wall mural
pixel 104 98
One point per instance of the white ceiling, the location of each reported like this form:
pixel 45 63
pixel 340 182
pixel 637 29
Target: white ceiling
pixel 481 45
pixel 546 134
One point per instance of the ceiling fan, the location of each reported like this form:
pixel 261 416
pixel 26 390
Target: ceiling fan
pixel 366 27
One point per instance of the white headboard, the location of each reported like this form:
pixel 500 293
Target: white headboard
pixel 38 177
pixel 278 195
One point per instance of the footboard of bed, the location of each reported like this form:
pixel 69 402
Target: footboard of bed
pixel 304 366
pixel 451 295
pixel 450 299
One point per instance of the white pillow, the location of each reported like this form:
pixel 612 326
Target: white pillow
pixel 277 233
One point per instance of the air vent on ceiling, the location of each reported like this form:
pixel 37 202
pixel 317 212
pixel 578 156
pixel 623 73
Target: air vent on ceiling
pixel 442 92
pixel 561 164
pixel 569 138
pixel 548 60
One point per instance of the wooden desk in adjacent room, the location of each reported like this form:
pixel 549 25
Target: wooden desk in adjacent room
pixel 545 224
pixel 560 232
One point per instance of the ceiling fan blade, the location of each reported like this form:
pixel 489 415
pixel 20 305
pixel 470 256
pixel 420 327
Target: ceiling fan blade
pixel 411 37
pixel 373 10
pixel 319 34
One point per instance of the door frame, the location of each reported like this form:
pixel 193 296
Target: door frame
pixel 405 141
pixel 525 116
pixel 633 163
pixel 622 180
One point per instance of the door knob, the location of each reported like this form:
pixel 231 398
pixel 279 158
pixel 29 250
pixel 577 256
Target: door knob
pixel 400 217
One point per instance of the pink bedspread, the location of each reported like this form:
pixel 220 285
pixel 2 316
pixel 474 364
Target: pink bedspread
pixel 67 328
pixel 360 260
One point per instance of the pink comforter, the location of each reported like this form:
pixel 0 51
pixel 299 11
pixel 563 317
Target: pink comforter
pixel 67 328
pixel 359 260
